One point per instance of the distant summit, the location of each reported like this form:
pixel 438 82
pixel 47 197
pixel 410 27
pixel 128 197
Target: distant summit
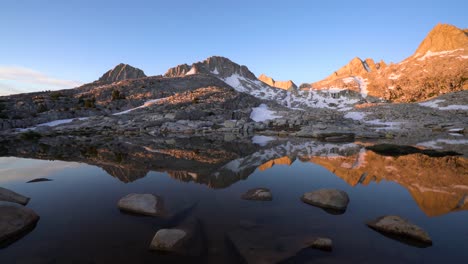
pixel 285 85
pixel 122 72
pixel 219 66
pixel 443 37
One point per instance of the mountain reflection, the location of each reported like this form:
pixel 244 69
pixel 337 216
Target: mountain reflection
pixel 438 185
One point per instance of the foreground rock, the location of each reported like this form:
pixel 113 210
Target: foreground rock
pixel 322 243
pixel 258 194
pixel 263 245
pixel 15 221
pixel 145 204
pixel 401 229
pixel 10 196
pixel 336 200
pixel 185 239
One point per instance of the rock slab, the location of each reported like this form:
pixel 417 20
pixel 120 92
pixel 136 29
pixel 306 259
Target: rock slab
pixel 327 199
pixel 258 194
pixel 15 221
pixel 10 196
pixel 400 228
pixel 145 204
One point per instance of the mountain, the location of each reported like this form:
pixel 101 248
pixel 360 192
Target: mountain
pixel 243 80
pixel 285 85
pixel 439 66
pixel 122 72
pixel 443 38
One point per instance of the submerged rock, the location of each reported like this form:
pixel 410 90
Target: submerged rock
pixel 39 180
pixel 328 199
pixel 10 196
pixel 322 243
pixel 145 204
pixel 15 221
pixel 258 194
pixel 401 229
pixel 185 239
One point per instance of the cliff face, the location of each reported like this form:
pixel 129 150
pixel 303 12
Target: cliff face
pixel 439 66
pixel 285 85
pixel 122 72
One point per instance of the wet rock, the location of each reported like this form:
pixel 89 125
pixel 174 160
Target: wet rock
pixel 11 196
pixel 401 229
pixel 322 243
pixel 145 204
pixel 328 199
pixel 15 221
pixel 185 239
pixel 258 194
pixel 39 180
pixel 263 245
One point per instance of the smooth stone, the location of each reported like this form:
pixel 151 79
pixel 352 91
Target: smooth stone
pixel 39 180
pixel 322 243
pixel 327 199
pixel 401 230
pixel 185 239
pixel 165 239
pixel 15 222
pixel 145 204
pixel 258 194
pixel 10 196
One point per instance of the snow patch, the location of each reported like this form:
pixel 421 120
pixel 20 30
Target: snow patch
pixel 362 85
pixel 394 76
pixel 348 80
pixel 366 66
pixel 434 144
pixel 262 113
pixel 262 140
pixel 191 72
pixel 146 104
pixel 440 53
pixel 355 115
pixel 215 71
pixel 435 104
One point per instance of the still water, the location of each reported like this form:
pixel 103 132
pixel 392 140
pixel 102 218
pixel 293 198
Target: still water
pixel 80 221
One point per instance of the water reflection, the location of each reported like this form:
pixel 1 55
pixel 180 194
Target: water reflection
pixel 438 185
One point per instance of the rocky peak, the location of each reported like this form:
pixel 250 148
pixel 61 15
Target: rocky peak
pixel 285 85
pixel 443 37
pixel 122 72
pixel 221 67
pixel 178 71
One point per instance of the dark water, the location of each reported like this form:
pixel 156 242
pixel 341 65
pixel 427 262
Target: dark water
pixel 80 222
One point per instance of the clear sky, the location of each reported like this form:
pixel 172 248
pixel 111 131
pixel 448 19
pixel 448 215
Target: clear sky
pixel 62 43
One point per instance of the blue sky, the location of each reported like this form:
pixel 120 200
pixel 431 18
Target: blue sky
pixel 66 42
